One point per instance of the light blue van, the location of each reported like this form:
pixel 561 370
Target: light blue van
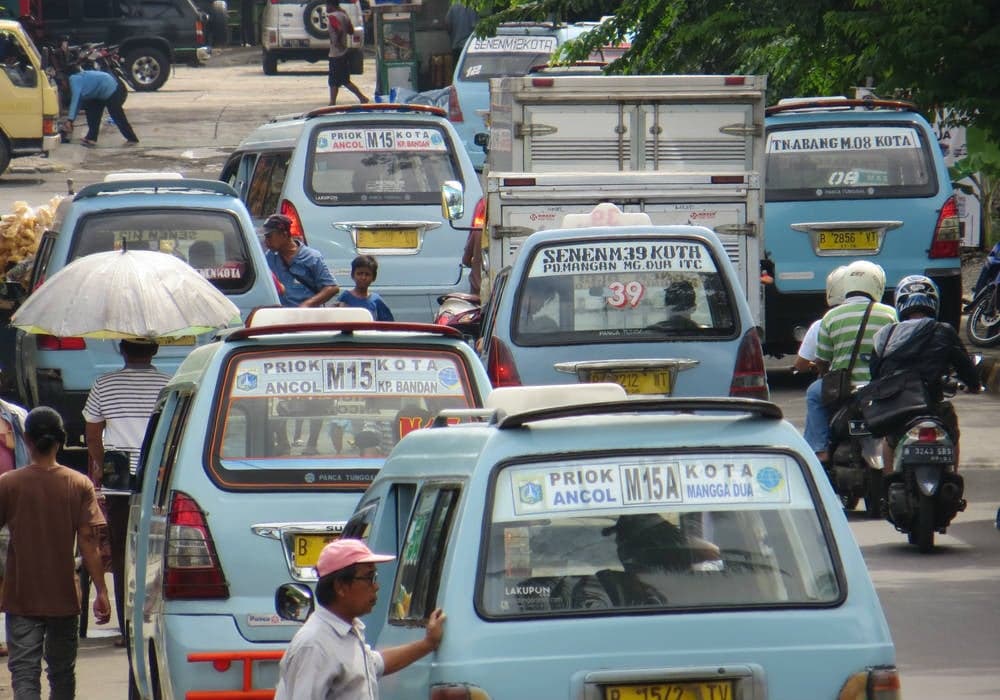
pixel 657 309
pixel 230 505
pixel 849 180
pixel 371 179
pixel 201 221
pixel 585 546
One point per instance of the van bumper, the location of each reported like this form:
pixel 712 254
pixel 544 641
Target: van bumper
pixel 49 143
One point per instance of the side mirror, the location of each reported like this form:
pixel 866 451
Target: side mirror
pixel 482 139
pixel 452 200
pixel 293 601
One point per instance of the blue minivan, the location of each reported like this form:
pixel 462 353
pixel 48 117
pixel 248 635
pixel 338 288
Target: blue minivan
pixel 847 180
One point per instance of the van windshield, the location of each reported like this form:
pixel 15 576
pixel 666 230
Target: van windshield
pixel 502 56
pixel 376 164
pixel 628 290
pixel 209 241
pixel 655 532
pixel 328 414
pixel 829 161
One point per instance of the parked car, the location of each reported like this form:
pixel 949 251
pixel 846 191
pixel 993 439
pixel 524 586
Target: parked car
pixel 297 30
pixel 585 546
pixel 229 507
pixel 658 309
pixel 846 180
pixel 370 179
pixel 516 48
pixel 201 221
pixel 29 105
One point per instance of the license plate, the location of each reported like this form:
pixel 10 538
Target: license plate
pixel 714 690
pixel 933 454
pixel 183 340
pixel 387 238
pixel 648 382
pixel 308 547
pixel 848 240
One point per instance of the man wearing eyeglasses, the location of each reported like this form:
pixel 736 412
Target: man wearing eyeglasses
pixel 328 657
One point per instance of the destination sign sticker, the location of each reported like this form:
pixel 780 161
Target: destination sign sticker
pixel 843 139
pixel 373 139
pixel 513 44
pixel 621 485
pixel 295 375
pixel 621 257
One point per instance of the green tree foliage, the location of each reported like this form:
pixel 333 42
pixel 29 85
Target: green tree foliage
pixel 936 53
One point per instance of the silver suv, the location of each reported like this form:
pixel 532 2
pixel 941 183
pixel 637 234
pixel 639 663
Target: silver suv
pixel 293 30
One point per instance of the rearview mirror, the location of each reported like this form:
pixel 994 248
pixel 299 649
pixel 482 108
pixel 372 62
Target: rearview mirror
pixel 452 200
pixel 293 601
pixel 482 139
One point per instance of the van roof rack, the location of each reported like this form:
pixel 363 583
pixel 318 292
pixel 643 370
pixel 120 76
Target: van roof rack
pixel 346 327
pixel 376 107
pixel 837 103
pixel 157 185
pixel 762 409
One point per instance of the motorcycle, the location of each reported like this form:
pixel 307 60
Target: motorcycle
pixel 100 56
pixel 461 311
pixel 855 464
pixel 924 492
pixel 983 323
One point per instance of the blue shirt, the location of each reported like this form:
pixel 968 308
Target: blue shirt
pixel 90 85
pixel 373 302
pixel 303 277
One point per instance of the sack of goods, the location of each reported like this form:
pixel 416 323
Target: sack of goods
pixel 887 401
pixel 20 232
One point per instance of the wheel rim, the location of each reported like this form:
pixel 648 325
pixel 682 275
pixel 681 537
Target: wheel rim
pixel 984 323
pixel 145 70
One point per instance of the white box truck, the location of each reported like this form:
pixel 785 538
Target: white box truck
pixel 684 149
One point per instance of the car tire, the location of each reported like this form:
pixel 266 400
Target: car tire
pixel 269 62
pixel 314 19
pixel 4 155
pixel 147 68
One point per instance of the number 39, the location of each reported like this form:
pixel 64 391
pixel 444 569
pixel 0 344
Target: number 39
pixel 628 293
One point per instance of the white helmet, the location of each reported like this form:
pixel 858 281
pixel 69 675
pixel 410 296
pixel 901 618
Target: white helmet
pixel 834 290
pixel 861 277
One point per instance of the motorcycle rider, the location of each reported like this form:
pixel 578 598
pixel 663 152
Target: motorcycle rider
pixel 863 282
pixel 921 343
pixel 805 357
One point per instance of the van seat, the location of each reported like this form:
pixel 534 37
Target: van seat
pixel 519 399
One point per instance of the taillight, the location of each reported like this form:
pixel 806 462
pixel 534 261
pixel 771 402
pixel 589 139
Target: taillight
pixel 874 684
pixel 454 108
pixel 500 365
pixel 946 232
pixel 199 32
pixel 50 126
pixel 289 210
pixel 191 566
pixel 458 691
pixel 51 342
pixel 749 377
pixel 479 215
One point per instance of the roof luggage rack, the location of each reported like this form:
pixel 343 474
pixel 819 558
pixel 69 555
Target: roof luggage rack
pixel 190 185
pixel 762 409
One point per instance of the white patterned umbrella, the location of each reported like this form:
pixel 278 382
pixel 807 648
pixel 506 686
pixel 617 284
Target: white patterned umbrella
pixel 126 294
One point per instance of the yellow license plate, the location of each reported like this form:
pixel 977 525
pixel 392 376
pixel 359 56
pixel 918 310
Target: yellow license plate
pixel 387 238
pixel 848 240
pixel 308 547
pixel 647 382
pixel 183 340
pixel 713 690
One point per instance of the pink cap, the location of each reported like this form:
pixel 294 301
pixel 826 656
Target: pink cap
pixel 344 552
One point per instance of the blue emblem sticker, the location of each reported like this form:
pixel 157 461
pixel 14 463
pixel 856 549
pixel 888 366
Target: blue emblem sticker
pixel 246 381
pixel 436 139
pixel 448 376
pixel 769 478
pixel 530 492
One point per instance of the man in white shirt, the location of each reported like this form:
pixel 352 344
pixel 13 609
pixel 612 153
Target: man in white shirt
pixel 328 657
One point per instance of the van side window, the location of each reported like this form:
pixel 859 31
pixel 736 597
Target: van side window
pixel 168 458
pixel 42 258
pixel 414 594
pixel 360 523
pixel 266 183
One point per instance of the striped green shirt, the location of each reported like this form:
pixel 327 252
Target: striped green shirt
pixel 839 329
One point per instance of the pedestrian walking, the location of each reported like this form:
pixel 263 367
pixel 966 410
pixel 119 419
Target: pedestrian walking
pixel 13 454
pixel 328 657
pixel 364 270
pixel 340 27
pixel 93 91
pixel 50 510
pixel 117 410
pixel 459 21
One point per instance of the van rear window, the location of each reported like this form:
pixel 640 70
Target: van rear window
pixel 502 56
pixel 328 417
pixel 632 290
pixel 849 161
pixel 379 163
pixel 654 532
pixel 209 241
